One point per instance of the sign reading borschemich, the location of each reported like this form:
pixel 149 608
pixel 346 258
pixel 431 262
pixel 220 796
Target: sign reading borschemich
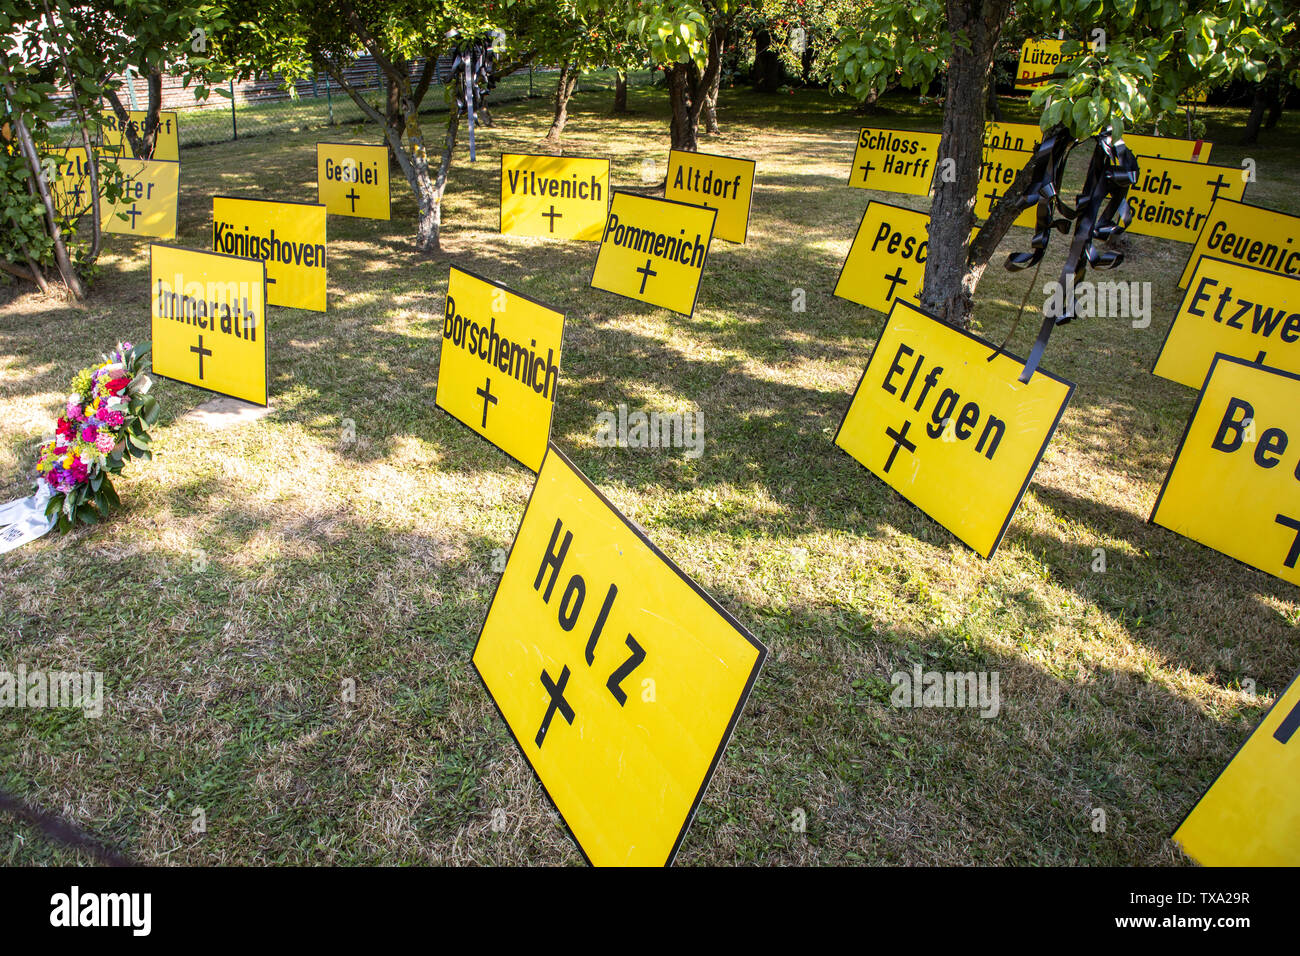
pixel 554 197
pixel 288 236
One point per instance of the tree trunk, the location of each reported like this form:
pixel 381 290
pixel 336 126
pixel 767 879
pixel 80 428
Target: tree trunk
pixel 564 88
pixel 950 277
pixel 393 110
pixel 1256 118
pixel 1277 99
pixel 711 96
pixel 142 144
pixel 688 91
pixel 767 72
pixel 995 108
pixel 620 93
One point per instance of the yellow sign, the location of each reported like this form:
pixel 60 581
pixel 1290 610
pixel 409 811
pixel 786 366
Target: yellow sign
pixel 166 144
pixel 555 197
pixel 954 433
pixel 70 180
pixel 352 180
pixel 895 160
pixel 723 183
pixel 1017 136
pixel 1237 310
pixel 653 250
pixel 208 315
pixel 500 365
pixel 1172 199
pixel 887 259
pixel 1250 815
pixel 1000 169
pixel 288 236
pixel 1039 60
pixel 1169 147
pixel 150 201
pixel 1234 485
pixel 619 678
pixel 1248 235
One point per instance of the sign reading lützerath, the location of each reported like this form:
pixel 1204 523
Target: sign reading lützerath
pixel 1248 235
pixel 887 259
pixel 1238 310
pixel 288 236
pixel 500 365
pixel 653 250
pixel 932 414
pixel 555 197
pixel 208 314
pixel 1234 485
pixel 1172 199
pixel 620 679
pixel 895 160
pixel 352 180
pixel 723 183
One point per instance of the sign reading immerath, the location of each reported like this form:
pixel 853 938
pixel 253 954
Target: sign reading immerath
pixel 500 365
pixel 1234 485
pixel 1171 199
pixel 887 259
pixel 208 317
pixel 1238 310
pixel 149 204
pixel 723 183
pixel 555 197
pixel 895 160
pixel 352 180
pixel 166 144
pixel 620 679
pixel 1250 815
pixel 1247 235
pixel 653 250
pixel 938 409
pixel 288 236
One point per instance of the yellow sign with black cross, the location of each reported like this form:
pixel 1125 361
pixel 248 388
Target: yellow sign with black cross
pixel 1250 815
pixel 554 197
pixel 500 365
pixel 288 236
pixel 166 144
pixel 68 172
pixel 1169 147
pixel 1172 199
pixel 620 679
pixel 1234 484
pixel 939 409
pixel 150 201
pixel 1237 310
pixel 1247 235
pixel 208 314
pixel 895 160
pixel 724 183
pixel 653 250
pixel 1023 137
pixel 352 180
pixel 887 259
pixel 998 171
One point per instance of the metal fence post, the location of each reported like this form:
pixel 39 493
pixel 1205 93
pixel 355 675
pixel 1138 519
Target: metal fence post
pixel 234 123
pixel 329 100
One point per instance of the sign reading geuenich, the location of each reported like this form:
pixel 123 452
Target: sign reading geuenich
pixel 1234 485
pixel 1247 235
pixel 1250 815
pixel 149 204
pixel 500 365
pixel 209 320
pixel 620 679
pixel 932 414
pixel 1172 199
pixel 895 160
pixel 723 183
pixel 1238 310
pixel 288 236
pixel 653 250
pixel 555 197
pixel 887 259
pixel 167 141
pixel 352 180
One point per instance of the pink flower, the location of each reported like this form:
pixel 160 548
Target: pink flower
pixel 104 443
pixel 89 434
pixel 113 419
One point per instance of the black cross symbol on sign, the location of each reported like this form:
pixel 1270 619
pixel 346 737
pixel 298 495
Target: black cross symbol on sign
pixel 900 441
pixel 134 213
pixel 201 352
pixel 76 192
pixel 556 690
pixel 354 197
pixel 646 273
pixel 866 169
pixel 992 197
pixel 488 397
pixel 1218 184
pixel 895 280
pixel 552 215
pixel 1290 724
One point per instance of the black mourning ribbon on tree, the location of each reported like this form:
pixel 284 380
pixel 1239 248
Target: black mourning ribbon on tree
pixel 1102 211
pixel 473 62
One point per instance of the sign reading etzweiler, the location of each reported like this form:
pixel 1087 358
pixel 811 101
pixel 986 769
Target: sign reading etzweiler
pixel 1248 235
pixel 1234 485
pixel 149 204
pixel 887 259
pixel 1172 199
pixel 1238 310
pixel 933 413
pixel 653 250
pixel 352 180
pixel 620 679
pixel 500 365
pixel 288 236
pixel 555 197
pixel 723 183
pixel 895 160
pixel 208 317
pixel 1250 815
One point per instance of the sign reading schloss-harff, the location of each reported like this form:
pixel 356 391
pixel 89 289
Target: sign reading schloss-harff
pixel 894 160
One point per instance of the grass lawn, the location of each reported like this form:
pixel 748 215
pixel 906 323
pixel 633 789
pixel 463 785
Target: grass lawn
pixel 253 571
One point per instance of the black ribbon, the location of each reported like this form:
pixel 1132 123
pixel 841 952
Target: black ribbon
pixel 474 60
